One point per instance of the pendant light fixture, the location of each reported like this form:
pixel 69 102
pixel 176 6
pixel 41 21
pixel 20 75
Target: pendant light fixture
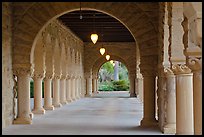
pixel 102 49
pixel 107 57
pixel 94 36
pixel 80 16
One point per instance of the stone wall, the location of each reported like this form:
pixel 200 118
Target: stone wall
pixel 7 77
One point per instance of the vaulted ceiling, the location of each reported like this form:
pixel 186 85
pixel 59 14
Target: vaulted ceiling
pixel 108 28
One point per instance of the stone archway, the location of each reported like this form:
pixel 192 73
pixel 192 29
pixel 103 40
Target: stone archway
pixel 33 17
pixel 131 71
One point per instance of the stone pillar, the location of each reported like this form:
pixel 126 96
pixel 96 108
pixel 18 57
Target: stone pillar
pixel 184 100
pixel 68 89
pixel 94 84
pixel 195 65
pixel 170 124
pixel 132 85
pixel 56 94
pixel 77 87
pixel 47 93
pixel 24 115
pixel 38 109
pixel 73 90
pixel 149 99
pixel 62 90
pixel 88 77
pixel 88 85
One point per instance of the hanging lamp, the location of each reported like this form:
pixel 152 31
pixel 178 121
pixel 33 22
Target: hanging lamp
pixel 102 50
pixel 80 16
pixel 107 57
pixel 94 36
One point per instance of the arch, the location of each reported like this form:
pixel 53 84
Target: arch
pixel 97 65
pixel 39 15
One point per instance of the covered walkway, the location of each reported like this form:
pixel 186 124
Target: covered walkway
pixel 103 114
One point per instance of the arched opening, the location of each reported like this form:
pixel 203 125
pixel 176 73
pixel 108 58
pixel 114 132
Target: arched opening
pixel 113 79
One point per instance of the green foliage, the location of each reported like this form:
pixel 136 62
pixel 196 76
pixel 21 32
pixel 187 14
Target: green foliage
pixel 32 89
pixel 106 86
pixel 121 85
pixel 108 66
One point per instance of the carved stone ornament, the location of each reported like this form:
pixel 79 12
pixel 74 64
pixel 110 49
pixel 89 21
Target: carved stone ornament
pixel 168 71
pixel 22 71
pixel 181 69
pixel 49 75
pixel 195 64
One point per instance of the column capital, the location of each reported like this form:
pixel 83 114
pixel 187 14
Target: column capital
pixel 148 73
pixel 180 69
pixel 38 74
pixel 63 77
pixel 56 76
pixel 22 71
pixel 168 72
pixel 49 75
pixel 195 63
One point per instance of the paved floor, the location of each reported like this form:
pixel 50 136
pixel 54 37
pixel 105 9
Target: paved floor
pixel 103 114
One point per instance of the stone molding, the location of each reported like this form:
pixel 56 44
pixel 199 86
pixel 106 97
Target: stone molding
pixel 180 69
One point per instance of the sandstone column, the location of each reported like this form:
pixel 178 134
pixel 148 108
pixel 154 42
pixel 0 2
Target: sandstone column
pixel 170 124
pixel 62 90
pixel 73 90
pixel 38 109
pixel 149 99
pixel 24 115
pixel 195 65
pixel 132 85
pixel 47 93
pixel 68 89
pixel 184 100
pixel 88 85
pixel 56 94
pixel 76 87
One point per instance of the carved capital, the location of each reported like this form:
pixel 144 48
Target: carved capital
pixel 168 72
pixel 195 64
pixel 180 69
pixel 56 76
pixel 63 77
pixel 38 75
pixel 22 71
pixel 49 75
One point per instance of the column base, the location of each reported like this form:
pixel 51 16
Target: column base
pixel 23 120
pixel 170 129
pixel 64 102
pixel 38 111
pixel 148 122
pixel 187 133
pixel 133 95
pixel 49 107
pixel 74 99
pixel 57 105
pixel 78 97
pixel 69 100
pixel 88 95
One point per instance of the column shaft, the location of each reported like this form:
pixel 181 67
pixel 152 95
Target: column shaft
pixel 184 104
pixel 56 100
pixel 38 109
pixel 149 102
pixel 24 112
pixel 132 86
pixel 47 95
pixel 170 126
pixel 197 102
